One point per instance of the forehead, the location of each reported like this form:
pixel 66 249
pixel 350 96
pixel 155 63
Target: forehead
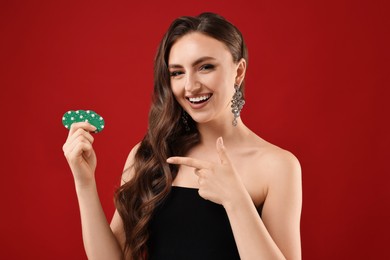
pixel 194 45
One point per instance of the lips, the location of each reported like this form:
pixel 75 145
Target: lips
pixel 199 99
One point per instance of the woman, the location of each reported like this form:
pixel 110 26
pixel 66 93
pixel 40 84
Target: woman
pixel 200 185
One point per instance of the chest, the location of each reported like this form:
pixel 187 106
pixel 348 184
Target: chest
pixel 245 165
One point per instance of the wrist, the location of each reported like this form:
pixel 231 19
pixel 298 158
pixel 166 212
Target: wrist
pixel 85 185
pixel 237 200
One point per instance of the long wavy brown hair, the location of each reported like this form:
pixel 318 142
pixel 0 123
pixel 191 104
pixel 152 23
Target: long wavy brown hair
pixel 167 135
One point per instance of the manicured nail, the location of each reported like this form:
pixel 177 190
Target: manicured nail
pixel 169 160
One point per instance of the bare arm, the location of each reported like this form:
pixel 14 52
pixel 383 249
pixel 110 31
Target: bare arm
pixel 99 240
pixel 277 234
pixel 116 222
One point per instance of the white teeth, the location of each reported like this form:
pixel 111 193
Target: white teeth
pixel 198 99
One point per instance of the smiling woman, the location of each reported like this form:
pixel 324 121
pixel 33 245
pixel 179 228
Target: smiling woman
pixel 202 75
pixel 200 185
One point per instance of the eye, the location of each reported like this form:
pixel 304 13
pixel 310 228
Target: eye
pixel 207 67
pixel 176 73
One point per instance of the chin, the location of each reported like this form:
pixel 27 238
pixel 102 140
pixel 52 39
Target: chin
pixel 199 120
pixel 202 120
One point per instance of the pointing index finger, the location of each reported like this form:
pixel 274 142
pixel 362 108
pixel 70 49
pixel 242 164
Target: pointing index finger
pixel 188 161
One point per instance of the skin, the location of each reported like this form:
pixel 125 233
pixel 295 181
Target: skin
pixel 252 172
pixel 99 240
pixel 231 166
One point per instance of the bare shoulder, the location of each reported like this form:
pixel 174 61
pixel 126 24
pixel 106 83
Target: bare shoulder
pixel 279 160
pixel 274 162
pixel 128 172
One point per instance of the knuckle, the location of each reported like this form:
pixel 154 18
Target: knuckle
pixel 80 139
pixel 201 193
pixel 79 148
pixel 80 131
pixel 73 126
pixel 64 147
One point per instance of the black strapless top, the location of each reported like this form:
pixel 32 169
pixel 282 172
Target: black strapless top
pixel 186 226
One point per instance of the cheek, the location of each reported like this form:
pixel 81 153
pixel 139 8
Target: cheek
pixel 226 78
pixel 176 90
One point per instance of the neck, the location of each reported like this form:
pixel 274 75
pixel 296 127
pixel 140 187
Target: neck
pixel 210 131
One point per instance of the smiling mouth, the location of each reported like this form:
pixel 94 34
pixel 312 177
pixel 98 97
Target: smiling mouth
pixel 200 99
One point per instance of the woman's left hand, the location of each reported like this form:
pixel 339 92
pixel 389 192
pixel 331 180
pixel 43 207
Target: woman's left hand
pixel 218 182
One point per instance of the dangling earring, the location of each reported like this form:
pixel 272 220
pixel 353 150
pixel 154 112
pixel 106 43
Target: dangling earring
pixel 184 119
pixel 237 103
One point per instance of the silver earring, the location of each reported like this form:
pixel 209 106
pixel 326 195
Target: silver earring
pixel 184 119
pixel 237 103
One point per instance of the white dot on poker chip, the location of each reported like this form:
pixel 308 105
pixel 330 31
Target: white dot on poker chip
pixel 102 126
pixel 81 116
pixel 66 126
pixel 72 118
pixel 63 118
pixel 86 120
pixel 93 115
pixel 69 112
pixel 88 111
pixel 77 112
pixel 101 118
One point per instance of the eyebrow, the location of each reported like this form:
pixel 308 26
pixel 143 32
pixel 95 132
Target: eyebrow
pixel 200 60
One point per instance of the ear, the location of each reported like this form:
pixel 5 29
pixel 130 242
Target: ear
pixel 241 69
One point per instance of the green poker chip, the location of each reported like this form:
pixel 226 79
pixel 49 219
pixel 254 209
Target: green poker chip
pixel 89 116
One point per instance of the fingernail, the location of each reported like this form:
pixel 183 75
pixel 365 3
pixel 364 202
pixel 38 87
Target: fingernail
pixel 220 141
pixel 169 160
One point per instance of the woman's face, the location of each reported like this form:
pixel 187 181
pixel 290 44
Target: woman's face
pixel 203 75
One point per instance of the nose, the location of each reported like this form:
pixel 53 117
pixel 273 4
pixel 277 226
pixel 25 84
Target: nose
pixel 192 84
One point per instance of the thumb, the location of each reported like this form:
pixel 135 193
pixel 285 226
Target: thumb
pixel 222 151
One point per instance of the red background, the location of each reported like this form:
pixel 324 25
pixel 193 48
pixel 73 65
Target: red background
pixel 317 85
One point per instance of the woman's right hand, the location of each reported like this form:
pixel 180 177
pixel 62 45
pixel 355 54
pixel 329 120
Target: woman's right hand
pixel 79 153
